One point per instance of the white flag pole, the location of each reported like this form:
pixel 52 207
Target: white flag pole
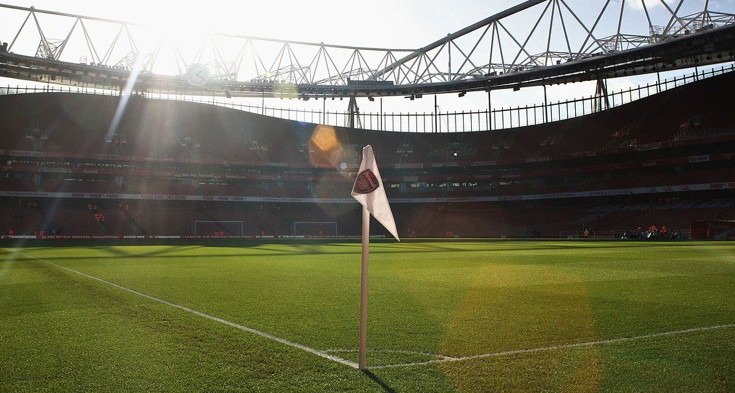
pixel 364 288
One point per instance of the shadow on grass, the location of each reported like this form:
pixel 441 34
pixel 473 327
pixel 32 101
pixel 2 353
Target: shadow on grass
pixel 306 247
pixel 379 381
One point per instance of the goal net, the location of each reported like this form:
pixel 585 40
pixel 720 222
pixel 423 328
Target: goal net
pixel 315 229
pixel 218 228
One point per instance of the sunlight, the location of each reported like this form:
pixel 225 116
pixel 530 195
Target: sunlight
pixel 261 19
pixel 650 4
pixel 122 104
pixel 183 33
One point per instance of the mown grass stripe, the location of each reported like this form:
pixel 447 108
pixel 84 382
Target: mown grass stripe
pixel 446 359
pixel 205 315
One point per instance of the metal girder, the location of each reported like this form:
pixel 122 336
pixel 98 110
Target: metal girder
pixel 534 42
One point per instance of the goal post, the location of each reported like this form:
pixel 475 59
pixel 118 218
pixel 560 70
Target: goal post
pixel 315 228
pixel 218 228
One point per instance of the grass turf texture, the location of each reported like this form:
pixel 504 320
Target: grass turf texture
pixel 63 332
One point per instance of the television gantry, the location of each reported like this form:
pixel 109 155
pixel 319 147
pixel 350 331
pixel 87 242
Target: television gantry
pixel 537 42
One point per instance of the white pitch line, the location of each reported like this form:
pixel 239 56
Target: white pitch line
pixel 447 359
pixel 208 316
pixel 427 354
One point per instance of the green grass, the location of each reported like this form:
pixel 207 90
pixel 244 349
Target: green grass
pixel 63 332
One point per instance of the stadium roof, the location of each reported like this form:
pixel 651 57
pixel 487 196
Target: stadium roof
pixel 536 42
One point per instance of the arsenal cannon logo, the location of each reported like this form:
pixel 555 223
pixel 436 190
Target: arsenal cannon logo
pixel 366 182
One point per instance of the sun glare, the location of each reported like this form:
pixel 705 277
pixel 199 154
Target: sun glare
pixel 181 32
pixel 275 19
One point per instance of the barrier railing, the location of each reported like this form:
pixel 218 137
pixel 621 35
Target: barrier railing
pixel 462 121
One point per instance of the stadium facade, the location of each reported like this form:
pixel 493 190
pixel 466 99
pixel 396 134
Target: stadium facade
pixel 664 160
pixel 78 164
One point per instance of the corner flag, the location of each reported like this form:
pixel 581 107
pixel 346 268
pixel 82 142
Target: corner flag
pixel 369 191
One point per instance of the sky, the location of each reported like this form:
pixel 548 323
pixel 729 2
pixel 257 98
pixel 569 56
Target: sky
pixel 393 23
pixel 377 23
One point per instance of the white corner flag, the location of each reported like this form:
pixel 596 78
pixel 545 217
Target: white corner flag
pixel 369 191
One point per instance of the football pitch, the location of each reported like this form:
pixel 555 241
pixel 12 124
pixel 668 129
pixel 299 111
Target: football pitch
pixel 444 316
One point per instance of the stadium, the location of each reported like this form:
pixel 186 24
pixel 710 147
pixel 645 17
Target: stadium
pixel 171 226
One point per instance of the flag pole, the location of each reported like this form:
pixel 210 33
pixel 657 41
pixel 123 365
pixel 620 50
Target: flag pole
pixel 369 191
pixel 364 288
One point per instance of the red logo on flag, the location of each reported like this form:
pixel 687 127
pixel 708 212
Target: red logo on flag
pixel 366 182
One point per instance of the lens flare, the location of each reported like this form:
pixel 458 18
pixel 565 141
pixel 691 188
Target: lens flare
pixel 285 90
pixel 325 149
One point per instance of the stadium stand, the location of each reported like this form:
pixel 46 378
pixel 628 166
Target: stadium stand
pixel 665 159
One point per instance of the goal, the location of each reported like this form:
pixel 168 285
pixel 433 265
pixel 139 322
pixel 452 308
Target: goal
pixel 315 228
pixel 218 228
